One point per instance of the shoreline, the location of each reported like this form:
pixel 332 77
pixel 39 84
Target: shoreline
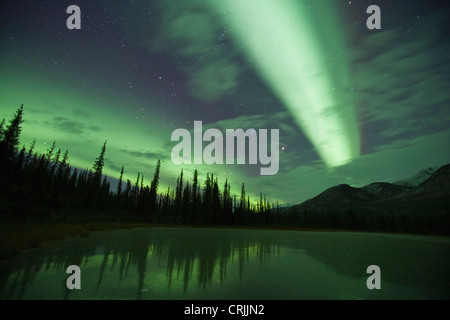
pixel 16 236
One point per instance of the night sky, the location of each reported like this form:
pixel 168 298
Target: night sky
pixel 352 105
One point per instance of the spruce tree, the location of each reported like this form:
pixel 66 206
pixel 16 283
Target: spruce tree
pixel 127 194
pixel 179 194
pixel 98 167
pixel 63 172
pixel 119 186
pixel 242 202
pixel 30 151
pixel 154 187
pixel 195 199
pixel 10 141
pixel 135 190
pixel 50 151
pixel 186 204
pixel 215 202
pixel 55 163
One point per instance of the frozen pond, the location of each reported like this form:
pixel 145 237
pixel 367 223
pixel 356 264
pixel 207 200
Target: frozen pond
pixel 209 263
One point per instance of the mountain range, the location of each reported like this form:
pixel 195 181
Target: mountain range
pixel 427 190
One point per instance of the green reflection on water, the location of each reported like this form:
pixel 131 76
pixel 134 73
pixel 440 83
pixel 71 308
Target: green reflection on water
pixel 184 263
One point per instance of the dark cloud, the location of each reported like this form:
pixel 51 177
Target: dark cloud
pixel 113 165
pixel 403 79
pixel 148 155
pixel 193 31
pixel 94 128
pixel 81 113
pixel 71 126
pixel 34 110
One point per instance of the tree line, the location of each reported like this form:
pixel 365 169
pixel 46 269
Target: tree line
pixel 37 184
pixel 44 185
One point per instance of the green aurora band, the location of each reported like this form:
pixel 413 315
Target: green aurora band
pixel 300 53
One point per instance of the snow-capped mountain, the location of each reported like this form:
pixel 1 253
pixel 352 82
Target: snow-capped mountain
pixel 417 179
pixel 429 187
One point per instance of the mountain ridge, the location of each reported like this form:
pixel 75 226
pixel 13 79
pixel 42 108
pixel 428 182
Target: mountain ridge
pixel 428 189
pixel 418 178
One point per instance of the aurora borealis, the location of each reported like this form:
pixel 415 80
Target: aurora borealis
pixel 303 79
pixel 352 105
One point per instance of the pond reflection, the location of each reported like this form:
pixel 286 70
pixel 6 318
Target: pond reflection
pixel 188 263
